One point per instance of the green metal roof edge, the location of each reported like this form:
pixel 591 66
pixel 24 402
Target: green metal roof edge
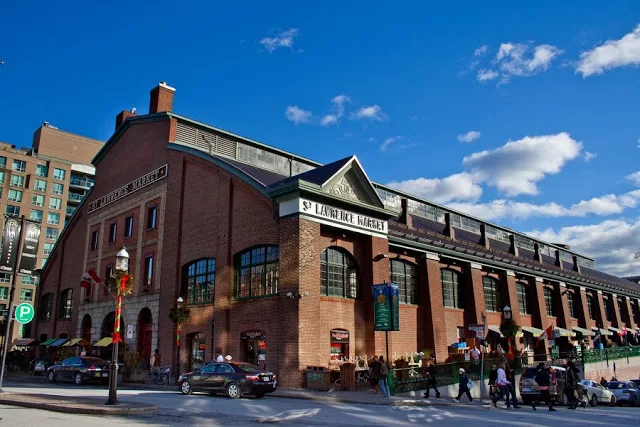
pixel 507 266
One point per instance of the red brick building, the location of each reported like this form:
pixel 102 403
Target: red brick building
pixel 275 255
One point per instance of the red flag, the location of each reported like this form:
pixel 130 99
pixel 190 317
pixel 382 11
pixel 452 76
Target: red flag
pixel 94 276
pixel 89 278
pixel 547 334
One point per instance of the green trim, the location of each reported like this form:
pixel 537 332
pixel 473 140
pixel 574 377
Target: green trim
pixel 505 266
pixel 237 267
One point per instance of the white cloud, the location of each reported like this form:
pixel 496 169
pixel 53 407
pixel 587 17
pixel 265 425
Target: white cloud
pixel 638 143
pixel 455 187
pixel 589 156
pixel 470 136
pixel 611 54
pixel 513 59
pixel 481 51
pixel 517 166
pixel 486 75
pixel 371 112
pixel 282 39
pixel 338 106
pixel 297 115
pixel 388 142
pixel 612 243
pixel 634 178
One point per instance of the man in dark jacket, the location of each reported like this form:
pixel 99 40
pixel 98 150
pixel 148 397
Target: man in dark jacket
pixel 493 376
pixel 463 386
pixel 431 380
pixel 571 385
pixel 543 379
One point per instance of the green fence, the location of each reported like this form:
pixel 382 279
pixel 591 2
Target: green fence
pixel 613 353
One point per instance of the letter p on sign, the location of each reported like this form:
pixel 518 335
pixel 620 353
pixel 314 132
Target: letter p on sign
pixel 24 313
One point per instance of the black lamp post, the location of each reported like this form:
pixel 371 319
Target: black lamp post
pixel 122 265
pixel 179 302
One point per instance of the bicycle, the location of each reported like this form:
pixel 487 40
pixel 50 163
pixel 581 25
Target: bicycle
pixel 158 375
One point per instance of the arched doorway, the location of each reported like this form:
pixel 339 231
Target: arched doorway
pixel 86 328
pixel 108 324
pixel 198 346
pixel 145 326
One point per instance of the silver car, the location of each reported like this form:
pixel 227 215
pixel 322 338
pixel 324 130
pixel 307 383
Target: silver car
pixel 625 392
pixel 595 393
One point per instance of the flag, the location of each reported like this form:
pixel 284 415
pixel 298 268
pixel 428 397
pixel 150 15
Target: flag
pixel 88 278
pixel 547 334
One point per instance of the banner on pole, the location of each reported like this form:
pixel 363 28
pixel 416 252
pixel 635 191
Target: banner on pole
pixel 394 293
pixel 10 244
pixel 386 307
pixel 30 242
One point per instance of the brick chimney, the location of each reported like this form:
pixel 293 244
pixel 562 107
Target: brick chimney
pixel 484 240
pixel 449 230
pixel 161 98
pixel 513 248
pixel 405 217
pixel 124 115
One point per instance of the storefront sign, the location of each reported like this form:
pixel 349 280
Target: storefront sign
pixel 129 188
pixel 30 241
pixel 252 335
pixel 334 216
pixel 10 244
pixel 338 336
pixel 386 307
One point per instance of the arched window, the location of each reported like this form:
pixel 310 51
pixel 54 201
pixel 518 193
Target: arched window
pixel 258 272
pixel 199 280
pixel 452 295
pixel 590 304
pixel 491 294
pixel 405 275
pixel 46 307
pixel 548 301
pixel 522 290
pixel 338 274
pixel 66 304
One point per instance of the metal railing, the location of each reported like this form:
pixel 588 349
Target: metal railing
pixel 613 353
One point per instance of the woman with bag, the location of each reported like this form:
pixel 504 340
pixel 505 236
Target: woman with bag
pixel 464 386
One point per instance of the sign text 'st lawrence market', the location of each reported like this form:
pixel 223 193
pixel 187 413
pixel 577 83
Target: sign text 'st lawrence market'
pixel 343 216
pixel 129 188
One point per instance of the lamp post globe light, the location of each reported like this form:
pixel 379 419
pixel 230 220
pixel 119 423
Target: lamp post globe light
pixel 506 312
pixel 122 267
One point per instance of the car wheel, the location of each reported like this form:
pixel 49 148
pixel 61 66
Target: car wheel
pixel 233 391
pixel 594 400
pixel 612 402
pixel 185 387
pixel 77 378
pixel 52 377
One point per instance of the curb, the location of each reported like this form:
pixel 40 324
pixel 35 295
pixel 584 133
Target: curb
pixel 330 399
pixel 81 409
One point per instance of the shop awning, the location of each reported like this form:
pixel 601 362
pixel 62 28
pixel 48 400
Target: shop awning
pixel 495 329
pixel 602 331
pixel 585 332
pixel 49 341
pixel 74 341
pixel 24 342
pixel 103 342
pixel 58 342
pixel 565 333
pixel 533 331
pixel 616 330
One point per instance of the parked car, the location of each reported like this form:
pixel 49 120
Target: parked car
pixel 234 379
pixel 625 392
pixel 596 393
pixel 528 391
pixel 80 370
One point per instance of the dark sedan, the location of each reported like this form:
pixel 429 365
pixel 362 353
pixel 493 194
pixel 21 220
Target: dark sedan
pixel 234 379
pixel 80 370
pixel 625 392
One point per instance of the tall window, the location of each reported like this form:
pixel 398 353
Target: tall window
pixel 152 218
pixel 57 189
pixel 4 292
pixel 405 275
pixel 42 170
pixel 2 174
pixel 113 232
pixel 451 289
pixel 522 290
pixel 571 299
pixel 16 181
pixel 491 294
pixel 94 240
pixel 148 271
pixel 26 294
pixel 13 210
pixel 128 226
pixel 3 162
pixel 51 233
pixel 46 305
pixel 55 203
pixel 14 196
pixel 48 248
pixel 40 185
pixel 608 308
pixel 338 274
pixel 66 304
pixel 590 304
pixel 199 280
pixel 58 174
pixel 19 165
pixel 53 218
pixel 548 301
pixel 258 272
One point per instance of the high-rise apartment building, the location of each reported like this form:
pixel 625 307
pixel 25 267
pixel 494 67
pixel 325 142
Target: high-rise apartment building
pixel 45 184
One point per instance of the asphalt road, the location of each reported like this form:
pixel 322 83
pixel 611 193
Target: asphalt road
pixel 220 411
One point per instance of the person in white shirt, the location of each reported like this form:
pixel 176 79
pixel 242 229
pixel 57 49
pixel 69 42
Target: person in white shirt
pixel 503 388
pixel 219 359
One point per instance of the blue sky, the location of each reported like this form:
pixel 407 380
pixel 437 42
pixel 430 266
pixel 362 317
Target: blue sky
pixel 427 96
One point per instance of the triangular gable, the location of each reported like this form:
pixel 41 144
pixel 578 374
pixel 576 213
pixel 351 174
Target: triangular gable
pixel 350 182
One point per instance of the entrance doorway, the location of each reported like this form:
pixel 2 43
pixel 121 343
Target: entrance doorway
pixel 86 328
pixel 254 347
pixel 339 344
pixel 198 348
pixel 145 326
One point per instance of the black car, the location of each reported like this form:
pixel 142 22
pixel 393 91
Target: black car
pixel 80 370
pixel 234 379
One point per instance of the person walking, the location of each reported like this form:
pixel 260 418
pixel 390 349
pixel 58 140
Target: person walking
pixel 543 379
pixel 463 386
pixel 511 385
pixel 374 374
pixel 431 380
pixel 493 376
pixel 503 384
pixel 603 382
pixel 571 385
pixel 219 357
pixel 382 380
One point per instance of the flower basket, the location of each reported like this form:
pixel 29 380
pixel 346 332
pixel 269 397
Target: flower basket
pixel 179 315
pixel 114 284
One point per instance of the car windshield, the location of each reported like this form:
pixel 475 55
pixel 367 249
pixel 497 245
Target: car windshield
pixel 247 367
pixel 616 385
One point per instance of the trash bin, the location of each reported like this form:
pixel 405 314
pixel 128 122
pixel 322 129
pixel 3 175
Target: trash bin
pixel 318 378
pixel 348 377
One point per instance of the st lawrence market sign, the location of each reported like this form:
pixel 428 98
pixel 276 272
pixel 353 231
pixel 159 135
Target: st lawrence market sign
pixel 129 188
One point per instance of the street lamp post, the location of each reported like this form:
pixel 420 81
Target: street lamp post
pixel 506 312
pixel 122 266
pixel 179 302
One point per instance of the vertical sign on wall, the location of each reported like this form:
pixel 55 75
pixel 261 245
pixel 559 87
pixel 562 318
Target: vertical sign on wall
pixel 10 244
pixel 394 299
pixel 381 308
pixel 31 239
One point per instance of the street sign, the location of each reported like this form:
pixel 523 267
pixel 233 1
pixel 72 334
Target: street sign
pixel 129 331
pixel 24 313
pixel 476 327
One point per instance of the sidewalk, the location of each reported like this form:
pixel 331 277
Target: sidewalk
pixel 78 405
